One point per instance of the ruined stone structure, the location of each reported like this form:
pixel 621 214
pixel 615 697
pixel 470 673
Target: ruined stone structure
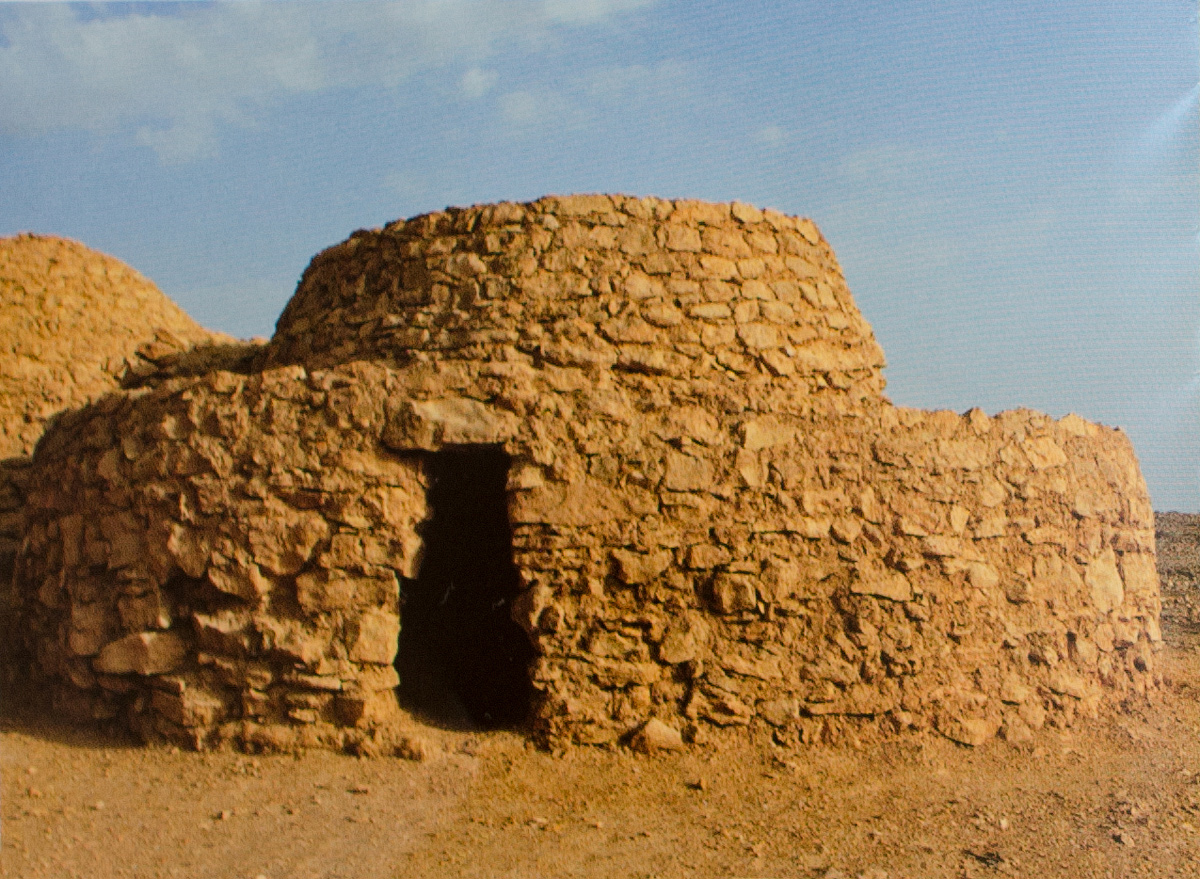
pixel 594 461
pixel 74 324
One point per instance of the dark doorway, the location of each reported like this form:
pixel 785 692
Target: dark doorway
pixel 462 660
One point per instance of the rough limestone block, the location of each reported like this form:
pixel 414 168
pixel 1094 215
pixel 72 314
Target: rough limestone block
pixel 657 736
pixel 143 653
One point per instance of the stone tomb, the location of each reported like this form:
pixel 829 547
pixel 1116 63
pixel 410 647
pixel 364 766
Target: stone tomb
pixel 588 462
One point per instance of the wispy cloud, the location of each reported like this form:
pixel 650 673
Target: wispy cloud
pixel 537 109
pixel 589 10
pixel 477 82
pixel 771 135
pixel 174 74
pixel 634 84
pixel 612 92
pixel 182 140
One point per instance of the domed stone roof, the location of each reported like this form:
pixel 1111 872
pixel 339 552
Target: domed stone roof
pixel 684 289
pixel 71 320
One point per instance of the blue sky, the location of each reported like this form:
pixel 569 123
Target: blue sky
pixel 1012 188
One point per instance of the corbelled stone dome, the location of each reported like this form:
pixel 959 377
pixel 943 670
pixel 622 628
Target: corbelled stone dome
pixel 71 320
pixel 589 462
pixel 683 289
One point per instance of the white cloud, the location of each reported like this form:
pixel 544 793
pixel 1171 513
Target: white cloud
pixel 629 92
pixel 771 135
pixel 182 140
pixel 589 10
pixel 520 108
pixel 174 74
pixel 535 109
pixel 636 83
pixel 476 82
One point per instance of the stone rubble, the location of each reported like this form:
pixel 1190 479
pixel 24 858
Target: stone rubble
pixel 720 522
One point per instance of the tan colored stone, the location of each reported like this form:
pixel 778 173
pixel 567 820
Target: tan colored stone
pixel 718 268
pixel 713 311
pixel 846 529
pixel 662 315
pixel 745 213
pixel 733 593
pixel 640 567
pixel 874 579
pixel 1104 581
pixel 684 639
pixel 1139 573
pixel 447 421
pixel 778 362
pixel 377 639
pixel 323 591
pixel 684 238
pixel 72 322
pixel 144 611
pixel 1044 452
pixel 655 736
pixel 91 626
pixel 706 556
pixel 244 581
pixel 759 336
pixel 577 504
pixel 282 540
pixel 965 730
pixel 686 473
pixel 190 550
pixel 1014 691
pixel 982 576
pixel 766 432
pixel 222 632
pixel 143 653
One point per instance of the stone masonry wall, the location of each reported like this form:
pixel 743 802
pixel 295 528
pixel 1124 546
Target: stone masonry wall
pixel 74 323
pixel 718 519
pixel 237 528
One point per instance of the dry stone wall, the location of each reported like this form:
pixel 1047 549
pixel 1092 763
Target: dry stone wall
pixel 74 324
pixel 203 496
pixel 718 520
pixel 236 529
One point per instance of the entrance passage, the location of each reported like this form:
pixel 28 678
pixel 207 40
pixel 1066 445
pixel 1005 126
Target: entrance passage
pixel 462 660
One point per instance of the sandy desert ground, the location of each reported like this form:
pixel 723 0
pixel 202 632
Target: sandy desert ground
pixel 1115 797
